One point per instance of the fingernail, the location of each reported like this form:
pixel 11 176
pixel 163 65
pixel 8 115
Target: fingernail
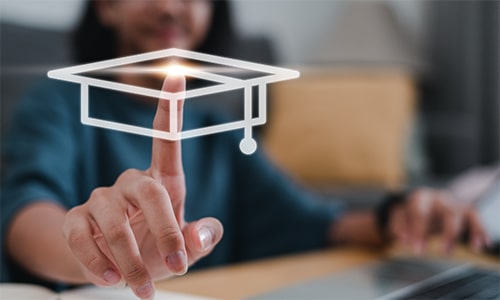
pixel 111 276
pixel 177 262
pixel 121 284
pixel 206 238
pixel 146 291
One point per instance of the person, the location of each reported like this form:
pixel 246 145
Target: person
pixel 82 204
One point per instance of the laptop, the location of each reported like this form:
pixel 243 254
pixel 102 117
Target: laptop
pixel 410 277
pixel 399 278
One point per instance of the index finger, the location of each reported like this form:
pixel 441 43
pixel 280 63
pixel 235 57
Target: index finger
pixel 166 158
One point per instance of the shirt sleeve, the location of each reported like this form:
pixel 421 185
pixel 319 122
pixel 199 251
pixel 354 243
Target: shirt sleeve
pixel 38 153
pixel 274 215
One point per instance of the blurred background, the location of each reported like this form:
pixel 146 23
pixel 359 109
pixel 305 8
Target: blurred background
pixel 392 93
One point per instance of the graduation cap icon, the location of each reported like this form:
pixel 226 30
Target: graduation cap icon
pixel 260 76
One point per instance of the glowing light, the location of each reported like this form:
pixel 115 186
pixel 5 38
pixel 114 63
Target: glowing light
pixel 175 70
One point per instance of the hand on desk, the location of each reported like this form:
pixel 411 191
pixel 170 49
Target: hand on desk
pixel 411 222
pixel 426 212
pixel 134 231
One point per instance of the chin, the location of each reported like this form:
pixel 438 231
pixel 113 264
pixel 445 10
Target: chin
pixel 159 45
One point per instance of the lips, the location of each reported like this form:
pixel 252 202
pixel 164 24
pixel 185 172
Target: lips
pixel 169 34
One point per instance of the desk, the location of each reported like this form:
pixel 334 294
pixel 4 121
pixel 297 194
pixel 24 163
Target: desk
pixel 252 278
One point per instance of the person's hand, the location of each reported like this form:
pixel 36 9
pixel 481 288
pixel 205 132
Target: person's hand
pixel 426 212
pixel 134 231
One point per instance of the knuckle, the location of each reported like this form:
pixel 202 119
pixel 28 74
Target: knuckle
pixel 170 236
pixel 413 201
pixel 446 205
pixel 76 239
pixel 117 233
pixel 420 202
pixel 94 263
pixel 177 192
pixel 136 272
pixel 176 187
pixel 97 198
pixel 74 213
pixel 128 174
pixel 98 193
pixel 152 189
pixel 72 226
pixel 417 209
pixel 420 196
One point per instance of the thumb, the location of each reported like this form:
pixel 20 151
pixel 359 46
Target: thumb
pixel 201 237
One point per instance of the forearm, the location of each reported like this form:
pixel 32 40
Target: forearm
pixel 35 241
pixel 356 228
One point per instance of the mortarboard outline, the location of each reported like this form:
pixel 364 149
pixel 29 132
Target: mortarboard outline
pixel 247 145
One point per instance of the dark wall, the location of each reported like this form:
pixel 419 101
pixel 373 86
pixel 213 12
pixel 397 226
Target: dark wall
pixel 460 99
pixel 27 54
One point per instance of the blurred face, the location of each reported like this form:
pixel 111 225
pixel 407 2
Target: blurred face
pixel 148 25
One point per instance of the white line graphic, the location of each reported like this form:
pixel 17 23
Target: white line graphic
pixel 224 83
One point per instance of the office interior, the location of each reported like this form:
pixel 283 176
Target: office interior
pixel 392 94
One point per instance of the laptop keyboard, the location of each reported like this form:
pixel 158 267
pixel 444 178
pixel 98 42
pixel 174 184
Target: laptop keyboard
pixel 470 284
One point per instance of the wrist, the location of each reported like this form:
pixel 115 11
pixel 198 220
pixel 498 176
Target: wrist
pixel 356 228
pixel 384 211
pixel 52 259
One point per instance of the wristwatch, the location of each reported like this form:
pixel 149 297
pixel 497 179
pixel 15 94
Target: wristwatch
pixel 383 211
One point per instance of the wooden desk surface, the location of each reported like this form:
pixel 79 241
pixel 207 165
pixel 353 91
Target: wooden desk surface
pixel 253 278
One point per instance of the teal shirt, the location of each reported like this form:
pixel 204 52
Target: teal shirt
pixel 49 154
